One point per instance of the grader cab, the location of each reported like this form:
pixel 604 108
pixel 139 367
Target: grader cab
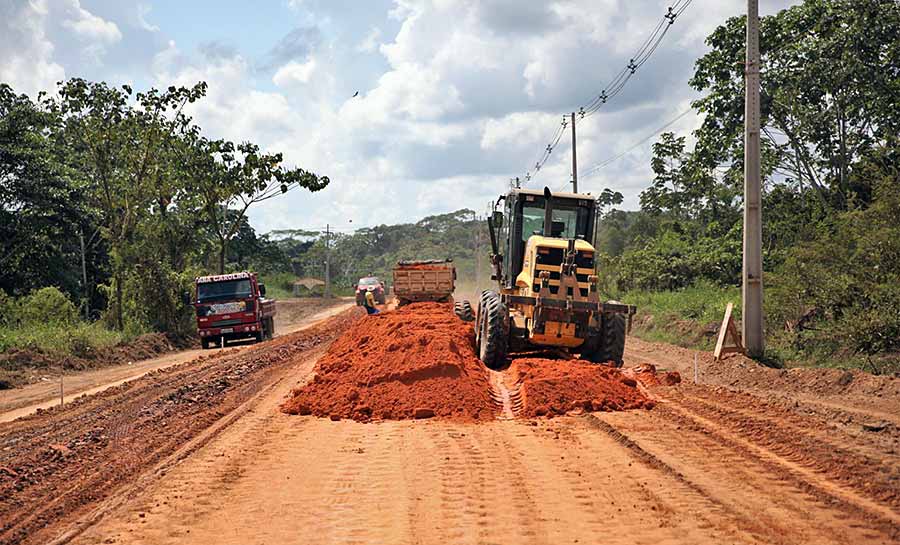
pixel 547 295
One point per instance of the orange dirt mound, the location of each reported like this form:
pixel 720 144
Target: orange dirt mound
pixel 550 387
pixel 414 362
pixel 646 374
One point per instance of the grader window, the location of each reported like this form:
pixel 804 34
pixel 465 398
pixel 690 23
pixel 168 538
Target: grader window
pixel 565 222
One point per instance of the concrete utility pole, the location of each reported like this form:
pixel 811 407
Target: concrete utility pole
pixel 574 159
pixel 327 264
pixel 84 287
pixel 752 293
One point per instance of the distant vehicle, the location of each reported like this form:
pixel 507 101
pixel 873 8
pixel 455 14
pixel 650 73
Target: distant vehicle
pixel 424 280
pixel 232 306
pixel 363 285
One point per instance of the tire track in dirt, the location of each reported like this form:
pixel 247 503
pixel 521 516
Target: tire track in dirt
pixel 765 500
pixel 106 440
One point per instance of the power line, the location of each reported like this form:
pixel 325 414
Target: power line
pixel 615 86
pixel 599 166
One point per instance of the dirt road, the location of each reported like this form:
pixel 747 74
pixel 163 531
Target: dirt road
pixel 708 465
pixel 293 315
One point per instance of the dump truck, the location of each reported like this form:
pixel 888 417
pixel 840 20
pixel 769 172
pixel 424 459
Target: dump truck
pixel 232 306
pixel 424 280
pixel 547 287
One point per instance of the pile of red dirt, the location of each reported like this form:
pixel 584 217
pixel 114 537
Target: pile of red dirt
pixel 551 387
pixel 646 374
pixel 414 362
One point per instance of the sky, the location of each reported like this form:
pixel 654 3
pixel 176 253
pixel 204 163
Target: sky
pixel 455 97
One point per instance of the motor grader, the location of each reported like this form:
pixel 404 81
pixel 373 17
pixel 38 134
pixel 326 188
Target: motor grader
pixel 547 295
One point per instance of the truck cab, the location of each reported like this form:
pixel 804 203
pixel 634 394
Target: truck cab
pixel 232 306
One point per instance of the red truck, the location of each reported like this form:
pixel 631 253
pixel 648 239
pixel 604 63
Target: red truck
pixel 232 306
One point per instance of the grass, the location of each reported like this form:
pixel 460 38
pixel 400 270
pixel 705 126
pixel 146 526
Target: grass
pixel 59 338
pixel 687 317
pixel 691 318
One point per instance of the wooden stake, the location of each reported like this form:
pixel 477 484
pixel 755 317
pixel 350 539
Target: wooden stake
pixel 728 327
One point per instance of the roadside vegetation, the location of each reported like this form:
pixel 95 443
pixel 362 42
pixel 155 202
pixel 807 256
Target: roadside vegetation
pixel 831 164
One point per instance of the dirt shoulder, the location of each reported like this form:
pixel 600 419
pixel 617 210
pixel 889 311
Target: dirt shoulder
pixel 60 464
pixel 853 401
pixel 293 315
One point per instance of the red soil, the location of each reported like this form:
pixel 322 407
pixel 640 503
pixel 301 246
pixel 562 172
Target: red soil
pixel 551 387
pixel 414 362
pixel 646 374
pixel 425 267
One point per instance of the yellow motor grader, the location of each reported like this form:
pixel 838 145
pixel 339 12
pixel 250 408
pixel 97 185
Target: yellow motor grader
pixel 547 284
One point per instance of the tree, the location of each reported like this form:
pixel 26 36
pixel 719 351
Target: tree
pixel 116 150
pixel 830 88
pixel 41 206
pixel 223 175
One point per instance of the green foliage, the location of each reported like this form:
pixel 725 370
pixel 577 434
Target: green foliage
pixel 117 198
pixel 43 306
pixel 842 289
pixel 686 317
pixel 72 339
pixel 375 251
pixel 674 260
pixel 278 285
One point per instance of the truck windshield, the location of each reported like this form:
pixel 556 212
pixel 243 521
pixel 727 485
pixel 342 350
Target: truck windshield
pixel 229 289
pixel 371 281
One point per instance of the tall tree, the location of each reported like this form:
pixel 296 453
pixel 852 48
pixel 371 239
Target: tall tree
pixel 228 179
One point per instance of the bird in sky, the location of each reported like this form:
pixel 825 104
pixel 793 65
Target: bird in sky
pixel 356 94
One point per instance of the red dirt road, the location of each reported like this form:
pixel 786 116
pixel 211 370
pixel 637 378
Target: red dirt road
pixel 709 464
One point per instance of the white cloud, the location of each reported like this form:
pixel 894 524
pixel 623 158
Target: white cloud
pixel 294 73
pixel 90 27
pixel 143 10
pixel 371 42
pixel 455 96
pixel 26 52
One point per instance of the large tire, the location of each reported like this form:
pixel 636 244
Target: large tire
pixel 607 344
pixel 614 338
pixel 463 310
pixel 493 337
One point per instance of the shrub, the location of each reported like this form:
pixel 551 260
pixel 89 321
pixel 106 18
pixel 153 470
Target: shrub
pixel 44 306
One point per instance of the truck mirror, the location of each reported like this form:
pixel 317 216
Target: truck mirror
pixel 262 289
pixel 186 298
pixel 497 219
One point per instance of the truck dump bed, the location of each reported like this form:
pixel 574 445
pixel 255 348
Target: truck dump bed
pixel 431 280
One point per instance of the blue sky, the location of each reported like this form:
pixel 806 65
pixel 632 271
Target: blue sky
pixel 456 96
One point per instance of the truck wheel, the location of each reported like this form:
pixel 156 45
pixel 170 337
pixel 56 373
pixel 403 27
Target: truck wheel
pixel 204 343
pixel 493 336
pixel 463 310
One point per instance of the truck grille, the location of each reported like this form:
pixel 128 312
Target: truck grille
pixel 225 323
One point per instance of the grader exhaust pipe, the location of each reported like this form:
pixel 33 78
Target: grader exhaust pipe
pixel 548 212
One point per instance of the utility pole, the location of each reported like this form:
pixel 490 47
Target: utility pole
pixel 752 292
pixel 327 264
pixel 84 286
pixel 574 159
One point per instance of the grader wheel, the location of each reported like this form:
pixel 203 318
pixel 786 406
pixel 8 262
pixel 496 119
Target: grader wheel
pixel 463 310
pixel 493 330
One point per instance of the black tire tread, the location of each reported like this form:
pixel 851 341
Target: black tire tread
pixel 494 339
